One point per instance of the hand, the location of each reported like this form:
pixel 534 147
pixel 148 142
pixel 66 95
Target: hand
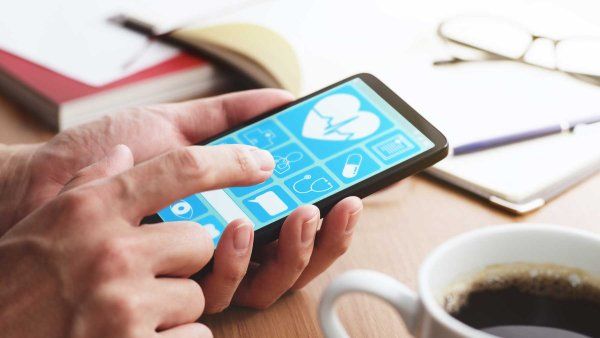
pixel 258 279
pixel 285 264
pixel 32 175
pixel 81 266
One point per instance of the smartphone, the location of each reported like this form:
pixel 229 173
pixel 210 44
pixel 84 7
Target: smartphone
pixel 349 139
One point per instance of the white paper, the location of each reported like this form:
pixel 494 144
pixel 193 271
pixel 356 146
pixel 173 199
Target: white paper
pixel 75 38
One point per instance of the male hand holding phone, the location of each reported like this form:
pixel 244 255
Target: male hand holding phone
pixel 75 262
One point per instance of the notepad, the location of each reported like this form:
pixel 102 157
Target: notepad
pixel 525 176
pixel 476 101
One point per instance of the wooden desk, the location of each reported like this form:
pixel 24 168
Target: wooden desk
pixel 400 226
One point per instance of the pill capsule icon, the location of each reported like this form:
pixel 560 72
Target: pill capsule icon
pixel 352 165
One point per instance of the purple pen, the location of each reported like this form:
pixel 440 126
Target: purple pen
pixel 494 142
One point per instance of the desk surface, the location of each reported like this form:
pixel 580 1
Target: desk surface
pixel 400 226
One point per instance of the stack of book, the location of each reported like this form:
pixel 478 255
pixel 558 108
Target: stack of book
pixel 64 102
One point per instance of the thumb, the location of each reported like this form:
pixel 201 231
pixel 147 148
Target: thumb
pixel 118 160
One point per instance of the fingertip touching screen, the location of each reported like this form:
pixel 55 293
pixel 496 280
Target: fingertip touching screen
pixel 321 146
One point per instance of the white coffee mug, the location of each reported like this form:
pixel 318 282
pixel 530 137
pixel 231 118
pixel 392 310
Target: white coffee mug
pixel 452 262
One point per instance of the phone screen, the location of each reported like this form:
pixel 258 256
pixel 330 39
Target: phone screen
pixel 321 146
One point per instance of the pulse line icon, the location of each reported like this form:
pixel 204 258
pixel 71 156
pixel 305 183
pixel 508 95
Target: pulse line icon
pixel 335 128
pixel 338 118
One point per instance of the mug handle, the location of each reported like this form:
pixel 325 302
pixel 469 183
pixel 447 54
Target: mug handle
pixel 374 283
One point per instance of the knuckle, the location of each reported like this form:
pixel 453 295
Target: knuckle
pixel 126 310
pixel 243 159
pixel 190 161
pixel 109 313
pixel 80 203
pixel 233 276
pixel 300 263
pixel 115 258
pixel 121 187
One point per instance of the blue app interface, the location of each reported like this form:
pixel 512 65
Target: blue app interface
pixel 320 146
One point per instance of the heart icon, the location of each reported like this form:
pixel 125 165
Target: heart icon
pixel 338 118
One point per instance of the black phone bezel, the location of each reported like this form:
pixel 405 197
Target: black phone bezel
pixel 370 185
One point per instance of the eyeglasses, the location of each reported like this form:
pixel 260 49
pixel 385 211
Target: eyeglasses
pixel 489 38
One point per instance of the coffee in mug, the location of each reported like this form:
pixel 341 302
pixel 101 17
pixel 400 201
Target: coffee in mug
pixel 510 281
pixel 524 300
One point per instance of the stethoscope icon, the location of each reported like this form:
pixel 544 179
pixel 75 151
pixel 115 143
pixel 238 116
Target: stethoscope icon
pixel 319 185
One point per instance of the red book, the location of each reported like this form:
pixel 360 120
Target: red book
pixel 64 102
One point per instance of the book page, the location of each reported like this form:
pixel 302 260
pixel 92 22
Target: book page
pixel 76 39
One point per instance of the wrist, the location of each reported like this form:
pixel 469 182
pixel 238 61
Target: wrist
pixel 15 171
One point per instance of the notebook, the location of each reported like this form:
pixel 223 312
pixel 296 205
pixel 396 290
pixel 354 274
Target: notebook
pixel 523 177
pixel 81 65
pixel 63 102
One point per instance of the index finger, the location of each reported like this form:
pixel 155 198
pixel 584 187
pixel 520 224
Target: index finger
pixel 152 185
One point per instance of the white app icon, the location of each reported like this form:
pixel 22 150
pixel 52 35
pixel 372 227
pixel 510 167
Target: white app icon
pixel 338 118
pixel 352 165
pixel 270 202
pixel 283 163
pixel 391 147
pixel 259 138
pixel 307 184
pixel 212 230
pixel 182 209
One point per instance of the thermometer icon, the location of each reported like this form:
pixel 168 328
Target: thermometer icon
pixel 352 165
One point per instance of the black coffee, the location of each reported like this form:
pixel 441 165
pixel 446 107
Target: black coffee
pixel 529 301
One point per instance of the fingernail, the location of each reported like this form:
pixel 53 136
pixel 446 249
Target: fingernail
pixel 309 229
pixel 263 158
pixel 352 220
pixel 241 238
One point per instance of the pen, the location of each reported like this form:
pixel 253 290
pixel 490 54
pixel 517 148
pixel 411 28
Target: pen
pixel 566 126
